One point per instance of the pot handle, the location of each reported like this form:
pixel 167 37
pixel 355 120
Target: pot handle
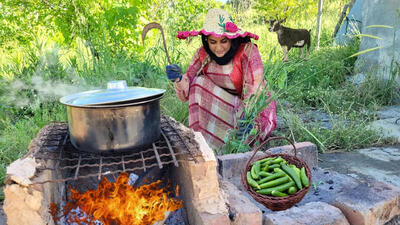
pixel 117 85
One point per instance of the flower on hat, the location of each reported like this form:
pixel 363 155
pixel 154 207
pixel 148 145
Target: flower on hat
pixel 193 33
pixel 231 27
pixel 218 23
pixel 183 34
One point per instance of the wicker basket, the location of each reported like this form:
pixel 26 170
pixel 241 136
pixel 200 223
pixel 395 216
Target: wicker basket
pixel 277 203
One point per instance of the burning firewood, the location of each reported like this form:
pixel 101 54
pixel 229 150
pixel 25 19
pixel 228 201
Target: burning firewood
pixel 119 203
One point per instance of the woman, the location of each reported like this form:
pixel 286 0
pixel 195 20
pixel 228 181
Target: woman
pixel 224 72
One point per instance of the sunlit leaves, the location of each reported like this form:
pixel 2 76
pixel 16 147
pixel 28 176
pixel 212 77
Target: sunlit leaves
pixel 380 26
pixel 368 35
pixel 365 51
pixel 279 9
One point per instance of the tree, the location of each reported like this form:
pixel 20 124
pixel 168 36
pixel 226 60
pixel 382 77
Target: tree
pixel 240 5
pixel 279 9
pixel 100 23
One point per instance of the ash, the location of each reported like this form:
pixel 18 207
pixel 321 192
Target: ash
pixel 78 214
pixel 176 218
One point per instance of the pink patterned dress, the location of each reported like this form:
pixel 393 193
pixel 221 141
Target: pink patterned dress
pixel 214 93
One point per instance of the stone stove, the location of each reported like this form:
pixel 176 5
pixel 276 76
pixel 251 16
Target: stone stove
pixel 212 194
pixel 42 176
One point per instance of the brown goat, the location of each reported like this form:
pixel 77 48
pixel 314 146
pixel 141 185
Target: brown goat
pixel 289 38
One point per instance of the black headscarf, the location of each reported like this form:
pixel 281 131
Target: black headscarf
pixel 235 44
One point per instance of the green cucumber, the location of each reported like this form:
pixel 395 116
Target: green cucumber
pixel 277 160
pixel 297 170
pixel 272 177
pixel 265 163
pixel 253 172
pixel 265 174
pixel 275 182
pixel 265 166
pixel 278 193
pixel 292 174
pixel 252 182
pixel 277 170
pixel 265 160
pixel 292 190
pixel 303 176
pixel 256 170
pixel 281 188
pixel 272 166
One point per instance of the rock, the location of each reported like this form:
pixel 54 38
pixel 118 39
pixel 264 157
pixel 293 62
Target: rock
pixel 313 213
pixel 377 163
pixel 213 219
pixel 242 210
pixel 389 127
pixel 369 203
pixel 21 170
pixel 327 185
pixel 21 206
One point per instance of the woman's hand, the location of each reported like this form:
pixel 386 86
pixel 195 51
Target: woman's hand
pixel 173 72
pixel 243 129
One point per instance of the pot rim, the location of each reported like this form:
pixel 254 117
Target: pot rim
pixel 102 106
pixel 112 97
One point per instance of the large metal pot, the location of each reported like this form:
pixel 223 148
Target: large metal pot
pixel 118 118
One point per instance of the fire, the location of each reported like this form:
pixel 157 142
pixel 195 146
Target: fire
pixel 120 203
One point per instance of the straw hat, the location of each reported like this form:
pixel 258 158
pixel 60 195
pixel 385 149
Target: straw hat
pixel 218 23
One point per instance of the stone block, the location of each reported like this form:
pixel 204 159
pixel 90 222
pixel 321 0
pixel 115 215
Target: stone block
pixel 25 201
pixel 369 203
pixel 389 128
pixel 307 151
pixel 213 219
pixel 200 188
pixel 22 170
pixel 21 205
pixel 327 185
pixel 231 165
pixel 312 213
pixel 242 211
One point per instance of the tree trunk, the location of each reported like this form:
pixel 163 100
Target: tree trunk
pixel 351 4
pixel 344 11
pixel 319 22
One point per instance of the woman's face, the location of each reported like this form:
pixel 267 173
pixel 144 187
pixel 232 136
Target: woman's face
pixel 219 46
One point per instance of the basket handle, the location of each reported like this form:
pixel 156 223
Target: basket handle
pixel 264 142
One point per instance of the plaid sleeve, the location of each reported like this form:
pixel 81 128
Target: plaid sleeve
pixel 194 66
pixel 253 76
pixel 182 87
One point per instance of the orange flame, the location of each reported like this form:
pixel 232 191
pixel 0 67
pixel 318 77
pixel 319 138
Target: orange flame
pixel 54 211
pixel 120 203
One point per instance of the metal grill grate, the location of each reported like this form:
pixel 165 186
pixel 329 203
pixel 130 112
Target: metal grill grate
pixel 171 148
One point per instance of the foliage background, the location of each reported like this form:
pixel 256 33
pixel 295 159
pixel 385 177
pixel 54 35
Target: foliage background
pixel 49 49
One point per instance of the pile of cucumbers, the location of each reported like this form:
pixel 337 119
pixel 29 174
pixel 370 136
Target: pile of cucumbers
pixel 275 177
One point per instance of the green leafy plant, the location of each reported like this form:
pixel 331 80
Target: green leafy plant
pixel 286 9
pixel 83 44
pixel 316 184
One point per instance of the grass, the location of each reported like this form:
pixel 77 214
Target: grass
pixel 320 84
pixel 34 78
